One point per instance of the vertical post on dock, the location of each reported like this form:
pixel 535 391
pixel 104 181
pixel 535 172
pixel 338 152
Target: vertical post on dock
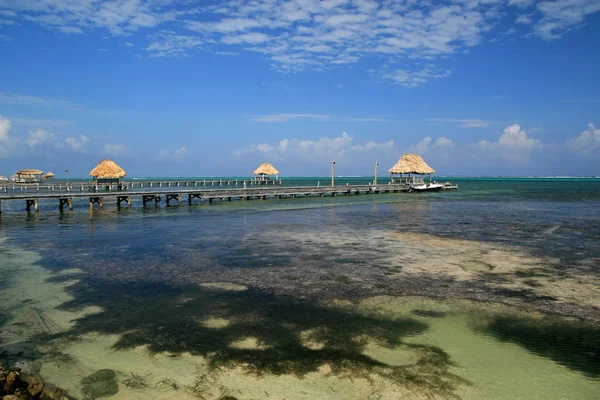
pixel 376 165
pixel 91 209
pixel 332 173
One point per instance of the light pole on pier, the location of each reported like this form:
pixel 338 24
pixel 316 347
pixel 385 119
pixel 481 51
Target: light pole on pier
pixel 376 165
pixel 332 173
pixel 67 173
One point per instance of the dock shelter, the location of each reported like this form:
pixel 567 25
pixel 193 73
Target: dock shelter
pixel 410 169
pixel 264 171
pixel 28 176
pixel 108 173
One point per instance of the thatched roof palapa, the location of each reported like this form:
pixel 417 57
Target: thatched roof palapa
pixel 411 164
pixel 266 169
pixel 48 175
pixel 108 169
pixel 29 172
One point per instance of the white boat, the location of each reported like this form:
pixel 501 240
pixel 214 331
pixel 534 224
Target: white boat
pixel 427 187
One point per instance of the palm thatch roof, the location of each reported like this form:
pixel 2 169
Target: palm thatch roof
pixel 411 164
pixel 266 169
pixel 48 175
pixel 108 169
pixel 29 172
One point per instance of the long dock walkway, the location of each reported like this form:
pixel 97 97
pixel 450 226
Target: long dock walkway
pixel 52 187
pixel 155 197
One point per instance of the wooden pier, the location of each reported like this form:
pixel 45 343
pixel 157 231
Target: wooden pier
pixel 202 196
pixel 10 187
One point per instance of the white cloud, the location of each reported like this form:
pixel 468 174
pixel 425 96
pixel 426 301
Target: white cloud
pixel 115 149
pixel 422 147
pixel 5 126
pixel 513 145
pixel 298 34
pixel 520 3
pixel 164 153
pixel 442 142
pixel 411 79
pixel 251 38
pixel 70 30
pixel 40 137
pixel 560 16
pixel 180 153
pixel 425 145
pixel 587 142
pixel 325 148
pixel 76 143
pixel 128 44
pixel 462 122
pixel 523 19
pixel 8 13
pixel 119 17
pixel 176 155
pixel 170 44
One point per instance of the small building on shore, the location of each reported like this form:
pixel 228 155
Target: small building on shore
pixel 265 172
pixel 27 176
pixel 410 169
pixel 48 176
pixel 108 173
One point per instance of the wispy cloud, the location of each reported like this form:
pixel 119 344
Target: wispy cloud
pixel 462 122
pixel 42 138
pixel 171 44
pixel 176 155
pixel 115 149
pixel 561 16
pixel 325 148
pixel 118 17
pixel 5 127
pixel 27 100
pixel 39 121
pixel 412 79
pixel 408 40
pixel 427 144
pixel 579 101
pixel 279 118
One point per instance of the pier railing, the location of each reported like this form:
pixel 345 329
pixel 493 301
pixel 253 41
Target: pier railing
pixel 10 187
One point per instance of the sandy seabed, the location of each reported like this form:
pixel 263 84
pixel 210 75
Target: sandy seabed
pixel 456 351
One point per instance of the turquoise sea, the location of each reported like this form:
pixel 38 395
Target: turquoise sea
pixel 488 292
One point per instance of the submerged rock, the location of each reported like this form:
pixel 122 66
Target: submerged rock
pixel 50 392
pixel 102 383
pixel 18 385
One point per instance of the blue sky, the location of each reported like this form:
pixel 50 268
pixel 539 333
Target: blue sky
pixel 166 87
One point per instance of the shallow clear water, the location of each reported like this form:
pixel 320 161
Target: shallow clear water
pixel 306 298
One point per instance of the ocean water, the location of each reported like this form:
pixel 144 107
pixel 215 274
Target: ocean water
pixel 490 292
